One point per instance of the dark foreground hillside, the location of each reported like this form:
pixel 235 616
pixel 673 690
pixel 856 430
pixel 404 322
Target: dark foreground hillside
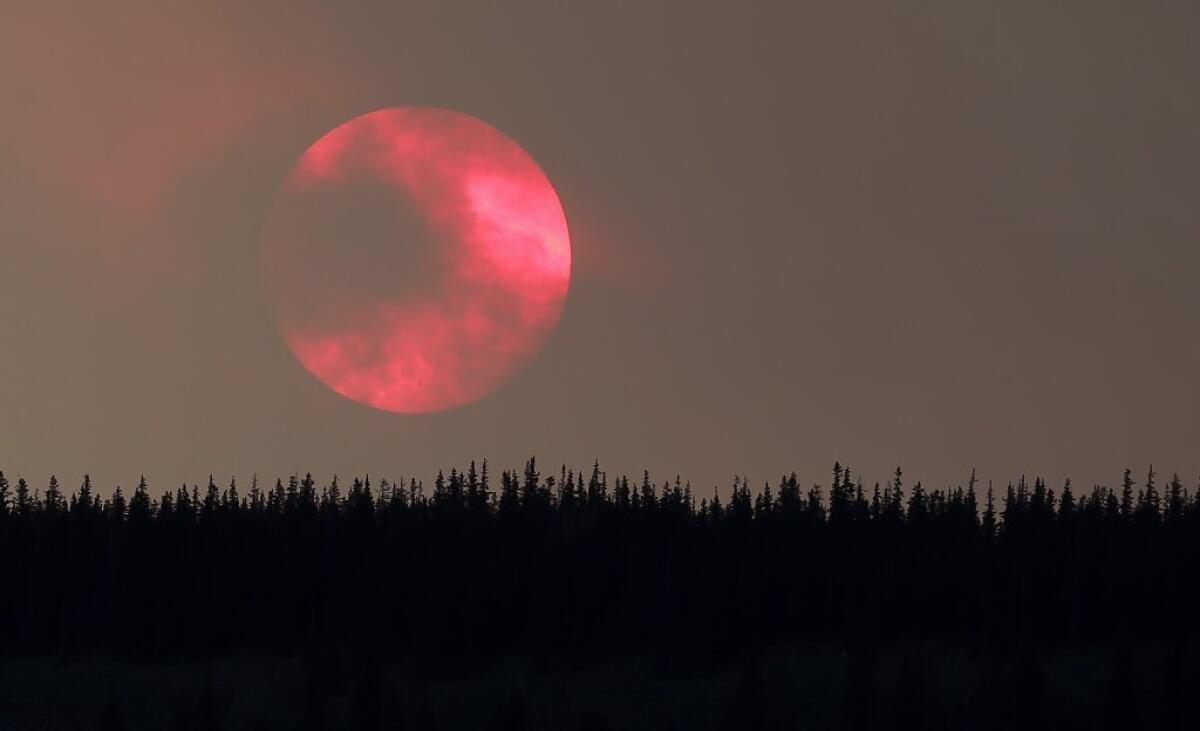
pixel 576 601
pixel 893 686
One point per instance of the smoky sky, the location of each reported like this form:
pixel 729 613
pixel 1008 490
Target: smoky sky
pixel 938 234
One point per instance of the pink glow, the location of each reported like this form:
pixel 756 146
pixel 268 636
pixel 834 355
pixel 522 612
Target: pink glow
pixel 130 114
pixel 462 217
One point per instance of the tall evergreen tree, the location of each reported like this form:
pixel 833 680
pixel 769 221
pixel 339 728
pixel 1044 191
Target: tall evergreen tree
pixel 918 504
pixel 895 510
pixel 595 486
pixel 1176 499
pixel 54 504
pixel 477 496
pixel 82 504
pixel 23 503
pixel 531 493
pixel 332 502
pixel 139 504
pixel 212 501
pixel 5 496
pixel 117 507
pixel 1127 494
pixel 166 510
pixel 1066 504
pixel 646 494
pixel 256 501
pixel 715 509
pixel 876 503
pixel 306 497
pixel 291 496
pixel 275 497
pixel 510 498
pixel 1149 507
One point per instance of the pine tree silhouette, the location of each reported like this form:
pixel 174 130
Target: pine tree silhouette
pixel 139 504
pixel 54 504
pixel 116 509
pixel 1127 495
pixel 81 503
pixel 23 505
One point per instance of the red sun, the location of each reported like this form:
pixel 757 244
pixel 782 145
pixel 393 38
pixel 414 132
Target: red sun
pixel 417 259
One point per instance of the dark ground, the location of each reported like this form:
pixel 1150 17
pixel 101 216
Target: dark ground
pixel 780 687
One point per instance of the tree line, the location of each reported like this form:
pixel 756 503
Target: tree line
pixel 577 563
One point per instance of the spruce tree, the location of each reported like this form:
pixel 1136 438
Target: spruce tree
pixel 531 493
pixel 595 493
pixel 989 514
pixel 117 507
pixel 307 496
pixel 896 495
pixel 1176 499
pixel 185 507
pixel 715 509
pixel 332 502
pixel 166 510
pixel 53 505
pixel 82 505
pixel 1149 509
pixel 291 497
pixel 255 497
pixel 1066 504
pixel 5 496
pixel 212 501
pixel 23 504
pixel 918 505
pixel 1127 494
pixel 510 498
pixel 647 497
pixel 275 497
pixel 477 499
pixel 139 504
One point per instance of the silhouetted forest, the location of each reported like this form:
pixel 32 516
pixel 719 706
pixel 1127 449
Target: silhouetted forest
pixel 581 564
pixel 579 567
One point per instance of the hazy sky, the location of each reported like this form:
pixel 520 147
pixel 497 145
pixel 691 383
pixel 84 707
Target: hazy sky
pixel 942 234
